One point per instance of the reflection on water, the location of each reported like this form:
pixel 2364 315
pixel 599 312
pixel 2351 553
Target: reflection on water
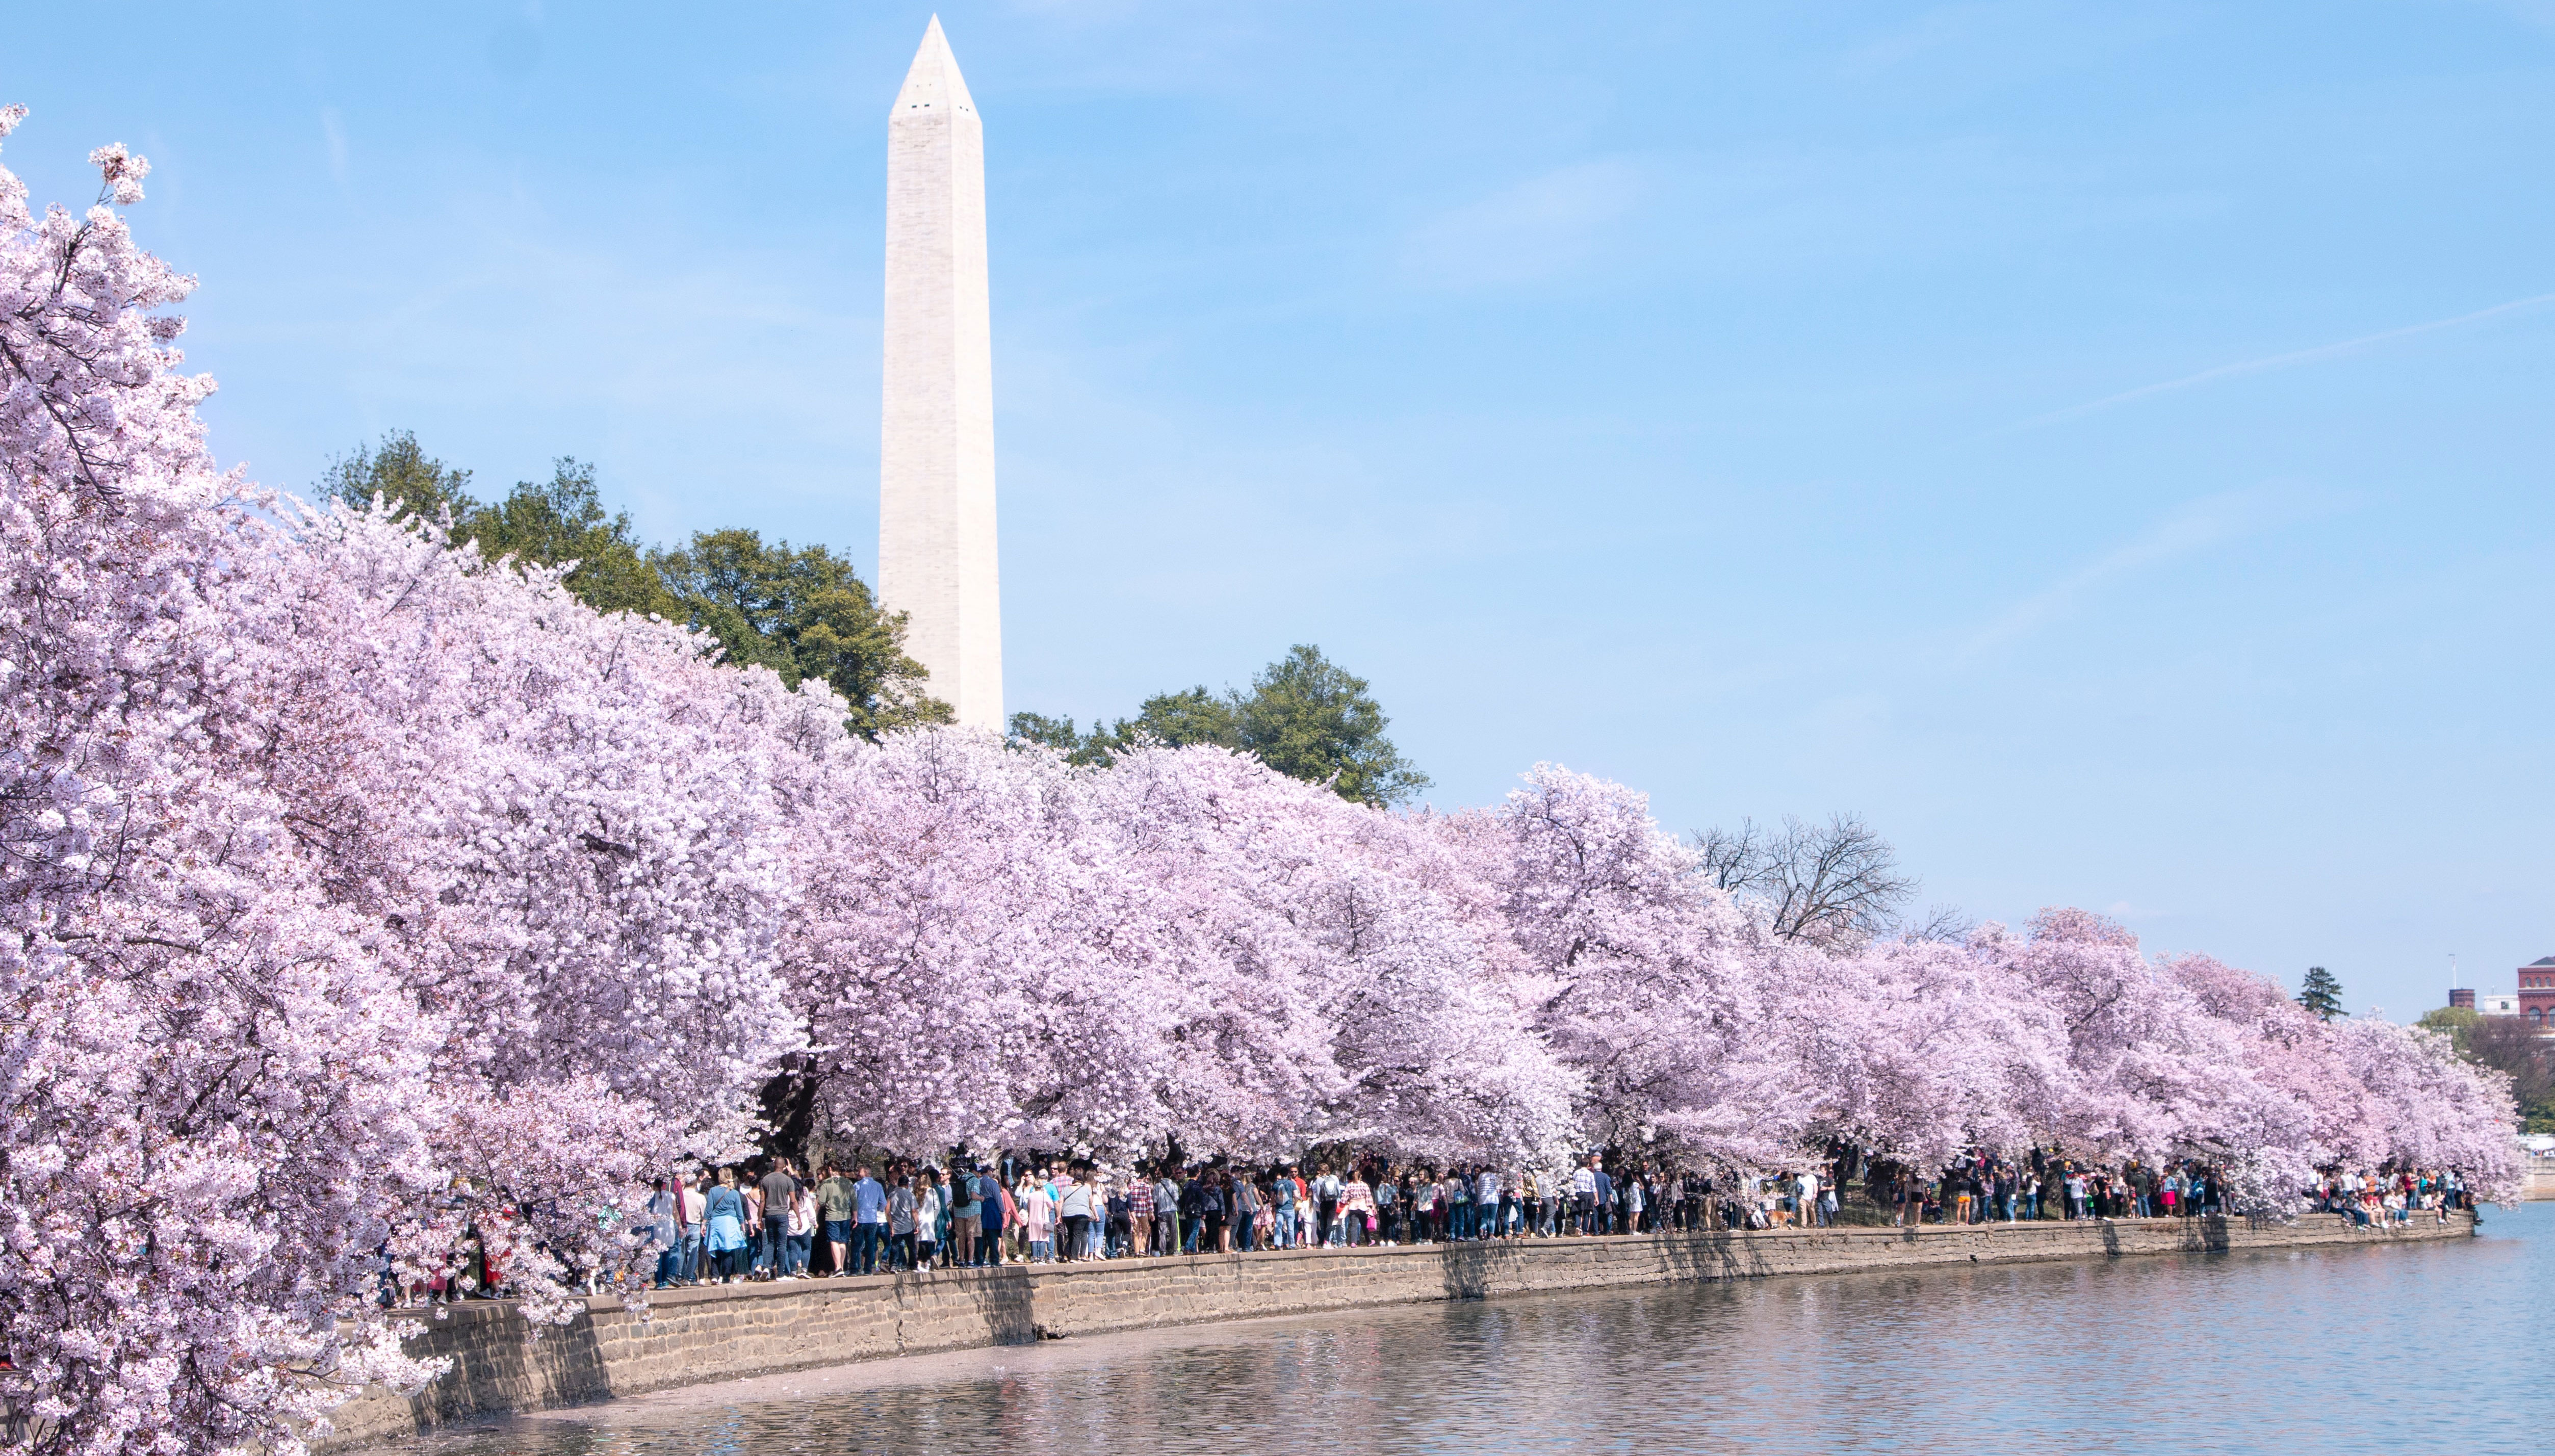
pixel 2345 1350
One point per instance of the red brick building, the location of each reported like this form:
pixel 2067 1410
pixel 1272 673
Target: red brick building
pixel 2538 992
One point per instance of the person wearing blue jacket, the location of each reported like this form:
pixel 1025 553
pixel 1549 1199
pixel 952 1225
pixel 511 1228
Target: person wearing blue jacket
pixel 725 1216
pixel 989 1195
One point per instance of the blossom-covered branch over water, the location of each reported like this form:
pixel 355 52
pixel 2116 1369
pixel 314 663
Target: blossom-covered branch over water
pixel 359 889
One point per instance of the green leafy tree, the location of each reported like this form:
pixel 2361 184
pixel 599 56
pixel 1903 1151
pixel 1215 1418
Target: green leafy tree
pixel 562 520
pixel 1304 716
pixel 1178 720
pixel 401 472
pixel 1310 719
pixel 1055 733
pixel 2321 993
pixel 801 612
pixel 2458 1022
pixel 1192 716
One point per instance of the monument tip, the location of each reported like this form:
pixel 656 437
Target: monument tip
pixel 932 84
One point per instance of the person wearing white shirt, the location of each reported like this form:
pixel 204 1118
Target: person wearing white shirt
pixel 1166 1213
pixel 696 1204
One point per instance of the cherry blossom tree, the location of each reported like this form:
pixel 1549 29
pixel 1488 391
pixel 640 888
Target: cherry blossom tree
pixel 213 1087
pixel 970 970
pixel 2148 1064
pixel 333 855
pixel 1639 974
pixel 1921 1049
pixel 1334 928
pixel 995 947
pixel 2430 1108
pixel 560 827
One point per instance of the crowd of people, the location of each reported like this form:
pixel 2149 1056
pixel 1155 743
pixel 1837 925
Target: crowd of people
pixel 844 1218
pixel 2393 1198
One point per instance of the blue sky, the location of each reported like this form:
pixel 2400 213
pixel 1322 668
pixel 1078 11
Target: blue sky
pixel 2108 445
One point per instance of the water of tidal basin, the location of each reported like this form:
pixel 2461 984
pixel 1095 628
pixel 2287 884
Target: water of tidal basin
pixel 2425 1347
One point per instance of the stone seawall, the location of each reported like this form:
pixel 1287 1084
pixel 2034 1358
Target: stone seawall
pixel 694 1336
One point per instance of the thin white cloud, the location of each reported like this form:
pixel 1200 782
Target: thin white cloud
pixel 1535 229
pixel 2195 526
pixel 2270 362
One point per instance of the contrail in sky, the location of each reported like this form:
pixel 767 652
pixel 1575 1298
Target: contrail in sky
pixel 2281 361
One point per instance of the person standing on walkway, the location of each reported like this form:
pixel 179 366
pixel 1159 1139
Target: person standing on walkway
pixel 1192 1209
pixel 1357 1210
pixel 1283 1194
pixel 1037 1216
pixel 869 1220
pixel 900 1220
pixel 1215 1197
pixel 966 1216
pixel 928 1210
pixel 834 1213
pixel 803 1229
pixel 990 1200
pixel 1117 1207
pixel 694 1208
pixel 726 1222
pixel 1167 1212
pixel 1246 1213
pixel 1140 1212
pixel 779 1188
pixel 1583 1196
pixel 665 1228
pixel 1072 1218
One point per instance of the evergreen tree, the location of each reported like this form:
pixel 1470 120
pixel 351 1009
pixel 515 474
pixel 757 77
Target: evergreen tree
pixel 2321 993
pixel 564 520
pixel 801 612
pixel 1310 719
pixel 401 472
pixel 1055 733
pixel 1304 716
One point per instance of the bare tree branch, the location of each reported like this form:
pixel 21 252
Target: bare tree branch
pixel 1733 860
pixel 1948 924
pixel 1835 884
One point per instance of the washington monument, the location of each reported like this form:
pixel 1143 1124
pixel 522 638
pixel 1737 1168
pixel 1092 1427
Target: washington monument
pixel 936 556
